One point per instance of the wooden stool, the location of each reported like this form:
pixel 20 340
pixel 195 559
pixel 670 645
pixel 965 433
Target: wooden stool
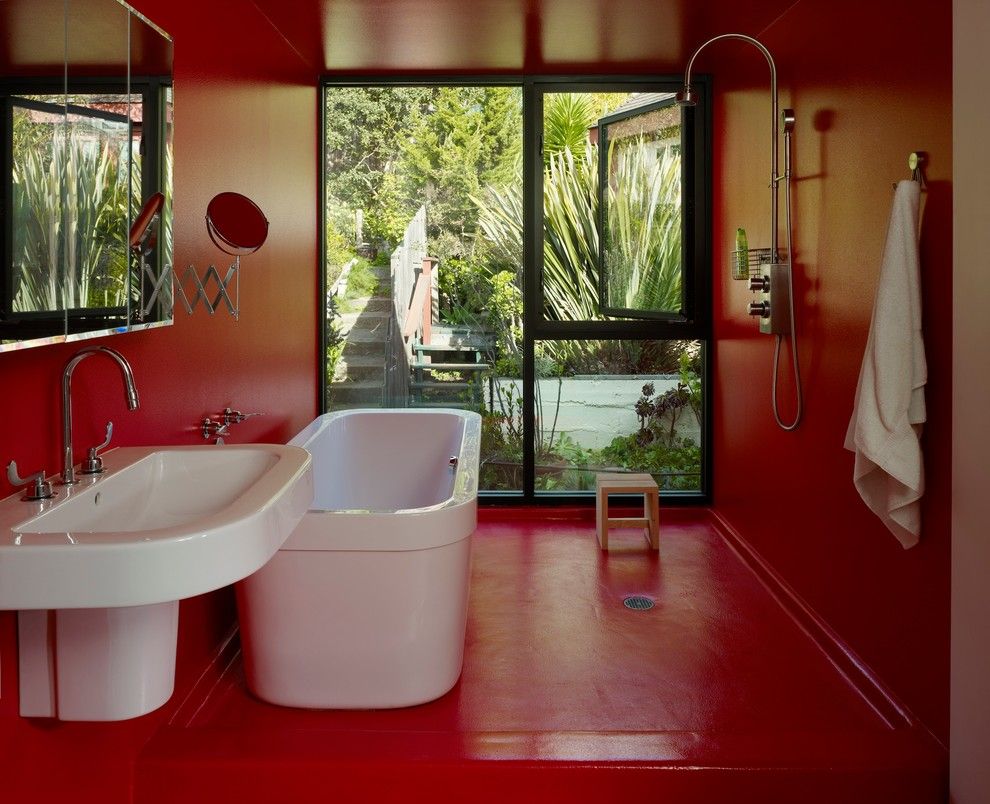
pixel 614 483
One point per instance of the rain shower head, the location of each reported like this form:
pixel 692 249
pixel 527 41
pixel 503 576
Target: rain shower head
pixel 687 98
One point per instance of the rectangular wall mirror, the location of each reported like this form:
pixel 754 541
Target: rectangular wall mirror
pixel 85 139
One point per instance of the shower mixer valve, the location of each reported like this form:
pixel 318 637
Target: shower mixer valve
pixel 773 306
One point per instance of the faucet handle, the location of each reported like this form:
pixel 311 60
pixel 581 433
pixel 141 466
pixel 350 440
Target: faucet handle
pixel 210 428
pixel 41 490
pixel 231 416
pixel 93 465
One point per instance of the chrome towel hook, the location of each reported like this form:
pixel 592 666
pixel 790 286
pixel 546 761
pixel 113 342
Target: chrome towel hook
pixel 916 164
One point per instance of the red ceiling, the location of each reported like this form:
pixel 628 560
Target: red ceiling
pixel 528 36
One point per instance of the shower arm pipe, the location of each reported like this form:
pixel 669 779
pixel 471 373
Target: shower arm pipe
pixel 774 112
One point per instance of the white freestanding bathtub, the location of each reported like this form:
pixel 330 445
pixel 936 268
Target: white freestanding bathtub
pixel 365 604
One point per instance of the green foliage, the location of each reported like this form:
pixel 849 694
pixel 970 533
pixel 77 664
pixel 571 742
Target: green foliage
pixel 643 235
pixel 390 149
pixel 655 448
pixel 689 368
pixel 644 218
pixel 467 138
pixel 463 287
pixel 339 240
pixel 70 205
pixel 566 120
pixel 363 128
pixel 658 415
pixel 334 339
pixel 676 465
pixel 505 310
pixel 361 282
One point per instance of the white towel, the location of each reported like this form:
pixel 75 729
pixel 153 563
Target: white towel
pixel 890 398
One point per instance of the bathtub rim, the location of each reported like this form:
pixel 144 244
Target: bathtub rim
pixel 465 488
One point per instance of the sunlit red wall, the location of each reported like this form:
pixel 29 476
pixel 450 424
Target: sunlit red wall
pixel 245 120
pixel 869 86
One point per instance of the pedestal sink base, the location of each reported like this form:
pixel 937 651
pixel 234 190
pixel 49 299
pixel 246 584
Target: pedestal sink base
pixel 97 664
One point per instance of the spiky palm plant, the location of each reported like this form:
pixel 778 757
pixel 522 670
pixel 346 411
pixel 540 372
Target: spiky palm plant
pixel 643 241
pixel 644 223
pixel 70 245
pixel 566 119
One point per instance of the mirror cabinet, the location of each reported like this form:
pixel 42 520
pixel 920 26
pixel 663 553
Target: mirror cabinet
pixel 85 138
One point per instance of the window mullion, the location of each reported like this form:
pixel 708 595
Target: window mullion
pixel 532 260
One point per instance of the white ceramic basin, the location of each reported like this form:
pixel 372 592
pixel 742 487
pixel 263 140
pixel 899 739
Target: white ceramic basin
pixel 97 572
pixel 163 523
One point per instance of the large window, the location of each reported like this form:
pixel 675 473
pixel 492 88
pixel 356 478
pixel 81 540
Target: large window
pixel 533 250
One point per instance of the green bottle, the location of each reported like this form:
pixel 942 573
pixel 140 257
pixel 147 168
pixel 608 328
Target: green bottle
pixel 740 257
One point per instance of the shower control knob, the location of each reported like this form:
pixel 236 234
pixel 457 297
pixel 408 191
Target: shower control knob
pixel 759 284
pixel 762 309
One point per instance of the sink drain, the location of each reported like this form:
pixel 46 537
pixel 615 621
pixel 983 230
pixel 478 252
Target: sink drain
pixel 638 602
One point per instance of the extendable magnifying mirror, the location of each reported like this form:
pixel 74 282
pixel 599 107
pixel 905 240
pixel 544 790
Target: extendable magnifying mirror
pixel 238 227
pixel 236 224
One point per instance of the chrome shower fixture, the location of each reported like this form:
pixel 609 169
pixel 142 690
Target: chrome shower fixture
pixel 686 98
pixel 771 277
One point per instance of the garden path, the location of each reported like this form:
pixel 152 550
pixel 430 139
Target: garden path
pixel 359 375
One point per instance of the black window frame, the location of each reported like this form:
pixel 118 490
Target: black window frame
pixel 688 291
pixel 694 325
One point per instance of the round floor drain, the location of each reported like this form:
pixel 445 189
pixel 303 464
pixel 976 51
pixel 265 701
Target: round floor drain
pixel 638 602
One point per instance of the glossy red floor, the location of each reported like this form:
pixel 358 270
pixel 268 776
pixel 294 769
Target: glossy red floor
pixel 715 694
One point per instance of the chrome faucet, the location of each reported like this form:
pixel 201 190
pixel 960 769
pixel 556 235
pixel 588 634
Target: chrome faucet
pixel 68 473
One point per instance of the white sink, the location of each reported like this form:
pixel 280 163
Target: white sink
pixel 161 524
pixel 113 555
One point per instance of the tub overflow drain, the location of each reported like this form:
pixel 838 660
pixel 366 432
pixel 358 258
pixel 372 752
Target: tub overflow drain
pixel 638 602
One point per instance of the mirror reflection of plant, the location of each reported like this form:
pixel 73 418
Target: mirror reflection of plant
pixel 644 227
pixel 37 236
pixel 73 221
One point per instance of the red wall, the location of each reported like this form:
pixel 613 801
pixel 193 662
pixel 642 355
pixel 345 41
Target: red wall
pixel 245 120
pixel 869 86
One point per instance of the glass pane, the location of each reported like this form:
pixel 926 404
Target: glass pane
pixel 641 239
pixel 166 231
pixel 643 222
pixel 98 191
pixel 38 165
pixel 424 256
pixel 618 406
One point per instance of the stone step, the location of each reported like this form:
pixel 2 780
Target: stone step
pixel 364 348
pixel 371 304
pixel 359 367
pixel 353 392
pixel 366 332
pixel 366 319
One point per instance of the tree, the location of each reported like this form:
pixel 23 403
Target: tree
pixel 364 126
pixel 467 138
